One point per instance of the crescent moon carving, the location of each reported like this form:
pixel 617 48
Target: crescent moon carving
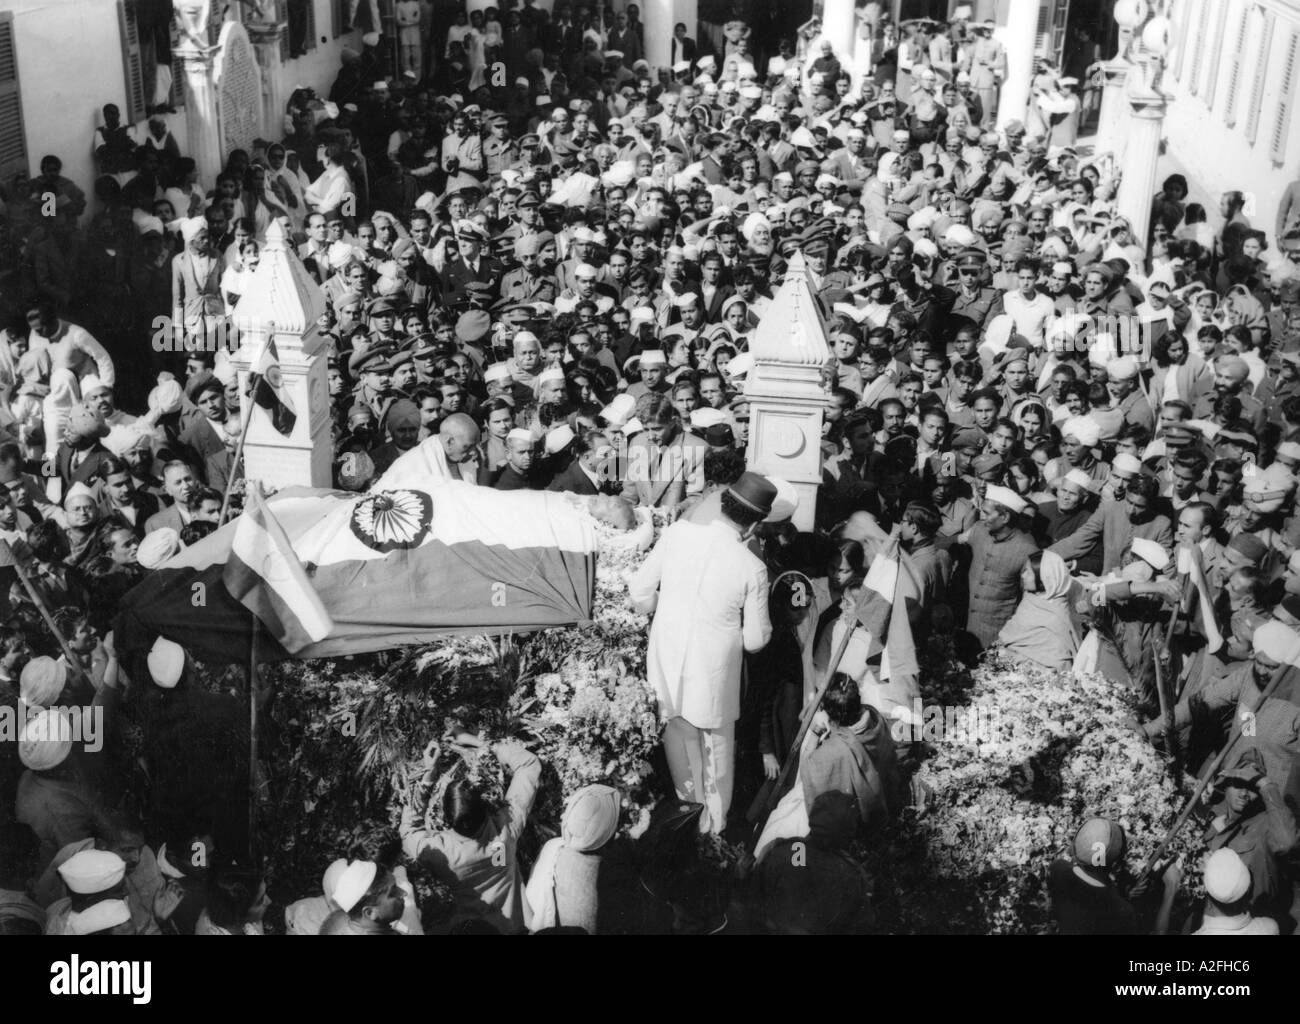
pixel 791 442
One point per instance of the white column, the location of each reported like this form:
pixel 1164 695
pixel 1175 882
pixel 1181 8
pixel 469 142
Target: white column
pixel 1141 156
pixel 1019 37
pixel 1111 136
pixel 266 43
pixel 785 393
pixel 202 130
pixel 657 16
pixel 839 25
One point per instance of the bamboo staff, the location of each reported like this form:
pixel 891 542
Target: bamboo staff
pixel 246 422
pixel 74 663
pixel 1210 770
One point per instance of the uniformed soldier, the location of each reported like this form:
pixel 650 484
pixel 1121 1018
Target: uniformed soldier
pixel 499 150
pixel 371 370
pixel 975 297
pixel 383 323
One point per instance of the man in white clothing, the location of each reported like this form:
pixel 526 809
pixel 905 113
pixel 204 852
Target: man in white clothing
pixel 708 593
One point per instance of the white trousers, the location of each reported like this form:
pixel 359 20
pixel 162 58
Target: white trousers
pixel 701 762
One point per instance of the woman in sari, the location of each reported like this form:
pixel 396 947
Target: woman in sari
pixel 1042 631
pixel 288 183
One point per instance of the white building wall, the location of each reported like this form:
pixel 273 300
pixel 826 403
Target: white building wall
pixel 70 64
pixel 1220 155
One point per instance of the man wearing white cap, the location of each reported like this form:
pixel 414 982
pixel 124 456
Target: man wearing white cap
pixel 80 867
pixel 1000 546
pixel 517 474
pixel 652 365
pixel 1080 436
pixel 1228 888
pixel 590 471
pixel 1122 375
pixel 96 902
pixel 52 798
pixel 1117 521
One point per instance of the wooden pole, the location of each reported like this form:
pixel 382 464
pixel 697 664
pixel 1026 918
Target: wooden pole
pixel 252 744
pixel 1208 774
pixel 74 663
pixel 247 421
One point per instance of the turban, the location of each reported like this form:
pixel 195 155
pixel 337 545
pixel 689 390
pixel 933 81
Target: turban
pixel 1083 429
pixel 752 223
pixel 403 413
pixel 157 547
pixel 46 740
pixel 123 439
pixel 191 226
pixel 42 681
pixel 1099 835
pixel 1233 367
pixel 1124 368
pixel 1279 642
pixel 590 818
pixel 166 397
pixel 1226 876
pixel 528 245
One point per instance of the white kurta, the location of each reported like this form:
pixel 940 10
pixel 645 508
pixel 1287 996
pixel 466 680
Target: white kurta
pixel 711 605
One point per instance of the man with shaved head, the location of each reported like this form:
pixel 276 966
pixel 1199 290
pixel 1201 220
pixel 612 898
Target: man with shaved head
pixel 459 436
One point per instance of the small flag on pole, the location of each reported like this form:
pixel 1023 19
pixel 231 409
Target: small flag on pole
pixel 1191 566
pixel 264 574
pixel 269 391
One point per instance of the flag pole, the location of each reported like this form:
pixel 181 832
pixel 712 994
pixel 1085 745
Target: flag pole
pixel 74 663
pixel 1207 776
pixel 246 422
pixel 252 743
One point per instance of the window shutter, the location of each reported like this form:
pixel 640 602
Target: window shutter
pixel 177 97
pixel 1202 27
pixel 1216 51
pixel 1043 46
pixel 1257 88
pixel 13 139
pixel 1286 87
pixel 132 65
pixel 339 16
pixel 309 43
pixel 1234 78
pixel 282 16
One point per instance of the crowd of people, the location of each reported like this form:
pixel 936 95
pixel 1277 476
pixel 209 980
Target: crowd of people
pixel 1087 447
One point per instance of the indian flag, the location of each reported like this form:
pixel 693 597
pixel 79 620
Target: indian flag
pixel 882 630
pixel 1191 565
pixel 396 566
pixel 264 574
pixel 270 393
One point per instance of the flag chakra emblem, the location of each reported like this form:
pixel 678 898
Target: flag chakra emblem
pixel 392 520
